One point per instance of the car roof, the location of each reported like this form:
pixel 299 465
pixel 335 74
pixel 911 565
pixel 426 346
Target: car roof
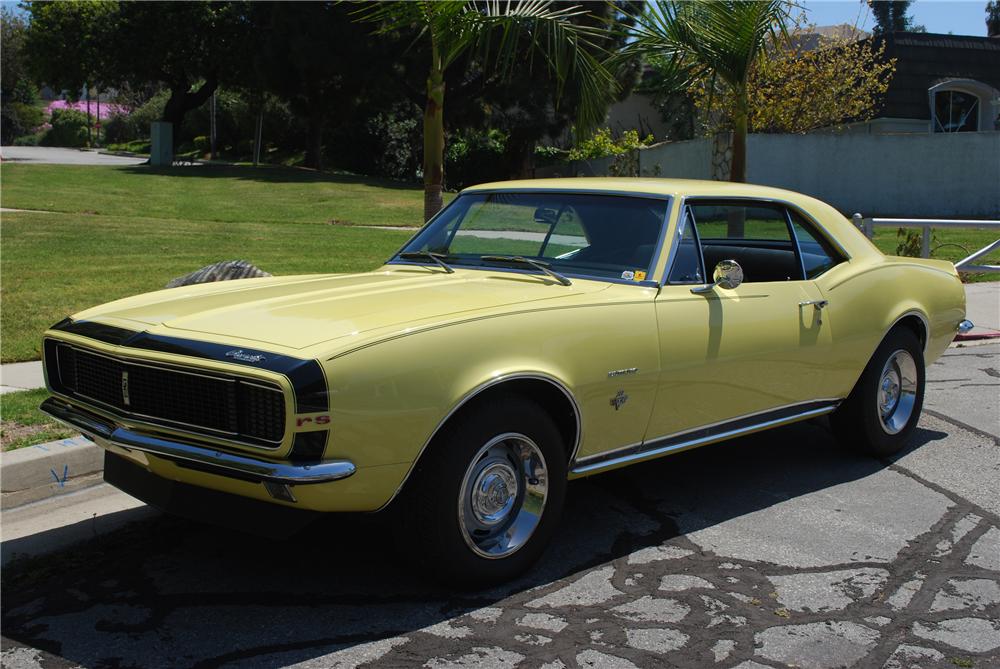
pixel 841 231
pixel 640 186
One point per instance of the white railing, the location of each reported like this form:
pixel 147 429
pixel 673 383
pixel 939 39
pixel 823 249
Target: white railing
pixel 867 226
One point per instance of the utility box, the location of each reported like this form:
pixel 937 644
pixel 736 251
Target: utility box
pixel 161 153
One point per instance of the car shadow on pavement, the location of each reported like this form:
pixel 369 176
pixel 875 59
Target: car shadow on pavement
pixel 168 592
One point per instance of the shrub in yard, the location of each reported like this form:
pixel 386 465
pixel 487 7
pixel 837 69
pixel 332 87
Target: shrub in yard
pixel 19 118
pixel 119 129
pixel 32 139
pixel 602 144
pixel 474 157
pixel 388 143
pixel 69 128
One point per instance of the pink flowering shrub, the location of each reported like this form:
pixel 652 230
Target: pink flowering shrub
pixel 107 108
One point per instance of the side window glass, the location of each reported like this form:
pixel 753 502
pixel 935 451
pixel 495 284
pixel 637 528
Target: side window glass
pixel 817 254
pixel 687 267
pixel 754 234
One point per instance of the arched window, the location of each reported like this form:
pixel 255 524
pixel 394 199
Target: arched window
pixel 962 105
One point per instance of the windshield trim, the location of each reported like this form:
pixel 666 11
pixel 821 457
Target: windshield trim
pixel 651 281
pixel 643 195
pixel 529 272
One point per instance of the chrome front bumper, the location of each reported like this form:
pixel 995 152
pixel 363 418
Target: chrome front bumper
pixel 242 467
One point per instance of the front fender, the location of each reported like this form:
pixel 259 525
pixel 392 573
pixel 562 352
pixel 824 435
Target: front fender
pixel 387 400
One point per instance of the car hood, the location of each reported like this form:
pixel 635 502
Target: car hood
pixel 302 311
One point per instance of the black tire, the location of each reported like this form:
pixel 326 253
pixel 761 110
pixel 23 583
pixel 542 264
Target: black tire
pixel 431 532
pixel 858 423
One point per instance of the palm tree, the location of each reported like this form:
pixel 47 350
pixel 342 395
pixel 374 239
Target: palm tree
pixel 510 34
pixel 720 39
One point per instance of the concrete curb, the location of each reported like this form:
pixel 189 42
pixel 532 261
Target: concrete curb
pixel 46 470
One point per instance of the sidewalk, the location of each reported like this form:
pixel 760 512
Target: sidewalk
pixel 983 306
pixel 17 376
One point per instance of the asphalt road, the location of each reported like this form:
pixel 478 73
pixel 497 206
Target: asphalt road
pixel 776 550
pixel 59 156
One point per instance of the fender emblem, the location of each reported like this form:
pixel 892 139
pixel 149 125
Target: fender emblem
pixel 618 400
pixel 243 356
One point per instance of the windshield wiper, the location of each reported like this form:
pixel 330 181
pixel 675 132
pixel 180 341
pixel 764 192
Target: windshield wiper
pixel 427 255
pixel 537 264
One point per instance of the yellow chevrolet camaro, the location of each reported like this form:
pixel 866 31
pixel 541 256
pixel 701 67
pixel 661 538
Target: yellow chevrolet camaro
pixel 531 333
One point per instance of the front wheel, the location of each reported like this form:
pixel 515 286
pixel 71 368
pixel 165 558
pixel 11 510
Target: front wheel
pixel 485 499
pixel 883 409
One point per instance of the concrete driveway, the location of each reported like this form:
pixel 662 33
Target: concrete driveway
pixel 59 156
pixel 770 551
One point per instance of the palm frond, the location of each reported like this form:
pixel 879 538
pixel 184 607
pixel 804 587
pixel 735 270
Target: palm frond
pixel 512 34
pixel 723 37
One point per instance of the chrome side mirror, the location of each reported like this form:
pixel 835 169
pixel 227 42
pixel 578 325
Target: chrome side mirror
pixel 728 274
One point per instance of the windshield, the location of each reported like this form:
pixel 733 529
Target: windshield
pixel 600 236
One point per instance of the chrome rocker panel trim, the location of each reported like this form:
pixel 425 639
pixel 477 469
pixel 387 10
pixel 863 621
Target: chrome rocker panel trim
pixel 702 436
pixel 242 467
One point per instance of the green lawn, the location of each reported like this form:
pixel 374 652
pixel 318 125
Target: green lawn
pixel 22 424
pixel 952 244
pixel 56 264
pixel 213 193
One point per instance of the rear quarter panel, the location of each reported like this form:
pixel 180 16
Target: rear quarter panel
pixel 868 296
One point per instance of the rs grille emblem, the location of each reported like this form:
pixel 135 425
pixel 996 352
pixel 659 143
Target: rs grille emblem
pixel 125 397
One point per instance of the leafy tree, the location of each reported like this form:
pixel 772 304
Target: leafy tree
pixel 526 108
pixel 321 61
pixel 454 28
pixel 15 79
pixel 794 88
pixel 993 18
pixel 891 16
pixel 187 46
pixel 65 43
pixel 721 41
pixel 19 114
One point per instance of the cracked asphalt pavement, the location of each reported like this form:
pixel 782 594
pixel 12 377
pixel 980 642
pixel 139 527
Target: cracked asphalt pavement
pixel 775 550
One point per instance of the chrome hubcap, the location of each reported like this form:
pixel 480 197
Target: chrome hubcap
pixel 494 493
pixel 503 495
pixel 897 392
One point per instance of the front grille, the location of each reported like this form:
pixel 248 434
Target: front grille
pixel 249 411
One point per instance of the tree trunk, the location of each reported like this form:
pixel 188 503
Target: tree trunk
pixel 314 150
pixel 90 138
pixel 738 170
pixel 181 102
pixel 736 220
pixel 434 141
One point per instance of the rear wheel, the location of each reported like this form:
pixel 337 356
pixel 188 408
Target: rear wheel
pixel 883 409
pixel 485 499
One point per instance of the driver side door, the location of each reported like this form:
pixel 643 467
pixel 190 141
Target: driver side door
pixel 735 358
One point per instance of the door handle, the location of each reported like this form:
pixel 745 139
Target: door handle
pixel 818 304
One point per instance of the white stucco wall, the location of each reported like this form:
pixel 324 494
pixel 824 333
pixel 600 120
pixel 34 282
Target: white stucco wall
pixel 931 175
pixel 925 176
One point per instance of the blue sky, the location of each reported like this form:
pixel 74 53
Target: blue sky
pixel 938 16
